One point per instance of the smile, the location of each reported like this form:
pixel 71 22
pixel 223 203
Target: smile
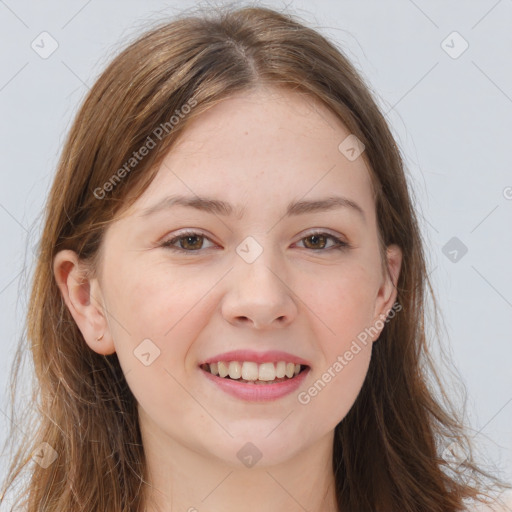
pixel 251 381
pixel 252 372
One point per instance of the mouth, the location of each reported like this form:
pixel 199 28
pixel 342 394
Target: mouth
pixel 251 372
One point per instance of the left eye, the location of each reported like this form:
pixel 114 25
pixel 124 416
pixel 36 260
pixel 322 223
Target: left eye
pixel 192 242
pixel 315 238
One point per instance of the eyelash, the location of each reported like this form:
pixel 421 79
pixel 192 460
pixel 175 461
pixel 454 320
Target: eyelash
pixel 168 244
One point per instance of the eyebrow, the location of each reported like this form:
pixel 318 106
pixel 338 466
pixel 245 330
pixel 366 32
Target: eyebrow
pixel 216 206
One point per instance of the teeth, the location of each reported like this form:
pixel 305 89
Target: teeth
pixel 223 369
pixel 235 370
pixel 251 371
pixel 267 371
pixel 280 369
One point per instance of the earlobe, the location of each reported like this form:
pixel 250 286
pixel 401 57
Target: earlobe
pixel 388 291
pixel 82 296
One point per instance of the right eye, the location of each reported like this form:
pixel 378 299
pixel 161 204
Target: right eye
pixel 189 241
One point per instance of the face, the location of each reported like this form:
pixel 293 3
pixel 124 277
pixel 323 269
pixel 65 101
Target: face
pixel 181 285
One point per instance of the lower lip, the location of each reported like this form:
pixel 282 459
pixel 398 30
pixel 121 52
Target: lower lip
pixel 257 392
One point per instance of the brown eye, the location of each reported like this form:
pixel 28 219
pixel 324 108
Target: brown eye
pixel 187 242
pixel 318 241
pixel 191 242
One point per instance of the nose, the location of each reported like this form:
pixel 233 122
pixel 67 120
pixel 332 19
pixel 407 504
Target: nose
pixel 259 297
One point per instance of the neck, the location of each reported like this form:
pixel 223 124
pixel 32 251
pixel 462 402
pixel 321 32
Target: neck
pixel 181 478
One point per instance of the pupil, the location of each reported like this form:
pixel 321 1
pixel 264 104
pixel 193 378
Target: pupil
pixel 191 237
pixel 317 238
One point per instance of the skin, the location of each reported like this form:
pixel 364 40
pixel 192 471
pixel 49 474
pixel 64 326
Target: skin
pixel 258 150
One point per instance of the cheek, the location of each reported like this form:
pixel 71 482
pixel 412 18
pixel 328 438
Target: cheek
pixel 157 318
pixel 170 310
pixel 335 390
pixel 345 308
pixel 344 303
pixel 155 302
pixel 336 383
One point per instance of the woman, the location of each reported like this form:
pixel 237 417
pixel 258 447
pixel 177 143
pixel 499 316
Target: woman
pixel 228 307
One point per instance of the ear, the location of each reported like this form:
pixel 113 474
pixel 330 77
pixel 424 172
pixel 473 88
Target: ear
pixel 387 293
pixel 84 300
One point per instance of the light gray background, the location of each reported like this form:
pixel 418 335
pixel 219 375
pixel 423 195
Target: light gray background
pixel 452 118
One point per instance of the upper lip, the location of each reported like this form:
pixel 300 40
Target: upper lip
pixel 270 356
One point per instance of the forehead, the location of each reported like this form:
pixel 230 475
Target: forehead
pixel 259 148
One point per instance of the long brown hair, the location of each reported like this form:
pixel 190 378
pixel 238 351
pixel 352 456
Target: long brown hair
pixel 387 450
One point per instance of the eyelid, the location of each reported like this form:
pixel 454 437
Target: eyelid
pixel 339 240
pixel 166 243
